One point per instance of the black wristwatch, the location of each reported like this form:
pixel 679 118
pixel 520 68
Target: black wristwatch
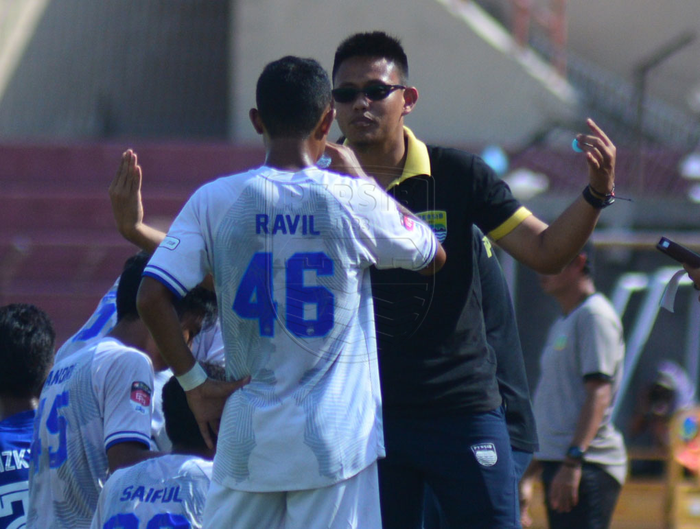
pixel 574 453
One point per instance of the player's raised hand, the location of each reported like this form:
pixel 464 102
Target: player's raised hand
pixel 601 154
pixel 207 403
pixel 127 206
pixel 125 195
pixel 344 161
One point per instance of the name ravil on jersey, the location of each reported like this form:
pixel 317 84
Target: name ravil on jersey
pixel 14 460
pixel 151 495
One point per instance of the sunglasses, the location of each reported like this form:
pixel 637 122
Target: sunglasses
pixel 375 92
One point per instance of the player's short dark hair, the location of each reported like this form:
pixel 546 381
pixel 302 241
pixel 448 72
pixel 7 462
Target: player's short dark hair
pixel 199 303
pixel 128 287
pixel 292 93
pixel 372 44
pixel 180 424
pixel 27 341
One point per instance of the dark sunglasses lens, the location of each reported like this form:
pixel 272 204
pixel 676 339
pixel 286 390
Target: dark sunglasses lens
pixel 344 95
pixel 378 92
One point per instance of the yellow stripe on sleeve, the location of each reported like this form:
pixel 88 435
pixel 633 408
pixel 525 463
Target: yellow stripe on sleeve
pixel 509 225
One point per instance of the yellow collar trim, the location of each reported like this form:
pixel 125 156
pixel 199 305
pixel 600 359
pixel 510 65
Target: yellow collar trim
pixel 417 158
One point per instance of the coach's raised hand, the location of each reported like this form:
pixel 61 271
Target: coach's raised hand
pixel 601 154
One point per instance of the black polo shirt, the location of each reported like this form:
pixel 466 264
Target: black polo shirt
pixel 433 353
pixel 502 335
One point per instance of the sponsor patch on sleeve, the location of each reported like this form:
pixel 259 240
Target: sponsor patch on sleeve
pixel 140 397
pixel 407 222
pixel 170 243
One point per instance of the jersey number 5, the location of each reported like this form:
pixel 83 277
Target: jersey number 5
pixel 55 424
pixel 254 298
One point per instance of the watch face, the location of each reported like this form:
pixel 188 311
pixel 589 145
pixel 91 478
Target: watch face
pixel 574 452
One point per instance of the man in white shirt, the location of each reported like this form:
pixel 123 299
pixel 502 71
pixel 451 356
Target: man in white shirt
pixel 169 488
pixel 289 246
pixel 94 413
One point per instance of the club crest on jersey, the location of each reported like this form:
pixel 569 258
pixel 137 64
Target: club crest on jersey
pixel 407 222
pixel 437 220
pixel 140 396
pixel 485 454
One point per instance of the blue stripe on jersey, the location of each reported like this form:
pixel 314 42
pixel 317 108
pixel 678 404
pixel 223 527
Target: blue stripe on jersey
pixel 168 280
pixel 116 438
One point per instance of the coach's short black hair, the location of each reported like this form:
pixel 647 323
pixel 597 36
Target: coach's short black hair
pixel 180 424
pixel 292 94
pixel 129 286
pixel 27 341
pixel 372 44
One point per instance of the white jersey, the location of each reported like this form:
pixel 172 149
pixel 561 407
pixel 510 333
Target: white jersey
pixel 290 254
pixel 92 400
pixel 207 346
pixel 167 491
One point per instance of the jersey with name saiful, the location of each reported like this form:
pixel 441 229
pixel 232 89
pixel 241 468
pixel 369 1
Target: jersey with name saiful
pixel 289 253
pixel 167 491
pixel 15 442
pixel 92 400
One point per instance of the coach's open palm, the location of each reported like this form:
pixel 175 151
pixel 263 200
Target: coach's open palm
pixel 207 404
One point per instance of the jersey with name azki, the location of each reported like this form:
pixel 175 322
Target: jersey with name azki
pixel 166 491
pixel 290 254
pixel 15 441
pixel 92 400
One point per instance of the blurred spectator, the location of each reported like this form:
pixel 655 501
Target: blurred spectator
pixel 582 455
pixel 669 392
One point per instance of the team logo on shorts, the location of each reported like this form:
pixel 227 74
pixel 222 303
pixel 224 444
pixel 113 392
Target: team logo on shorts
pixel 485 454
pixel 437 220
pixel 140 396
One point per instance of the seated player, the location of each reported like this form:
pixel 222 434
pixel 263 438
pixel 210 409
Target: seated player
pixel 26 355
pixel 94 415
pixel 167 491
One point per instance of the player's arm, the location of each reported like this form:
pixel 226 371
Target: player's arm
pixel 206 400
pixel 128 453
pixel 127 206
pixel 437 262
pixel 548 249
pixel 563 493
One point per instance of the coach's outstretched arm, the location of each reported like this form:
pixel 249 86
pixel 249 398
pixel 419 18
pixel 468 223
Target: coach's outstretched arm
pixel 548 249
pixel 207 397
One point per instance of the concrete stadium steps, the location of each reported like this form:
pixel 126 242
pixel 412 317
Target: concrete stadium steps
pixel 75 212
pixel 59 247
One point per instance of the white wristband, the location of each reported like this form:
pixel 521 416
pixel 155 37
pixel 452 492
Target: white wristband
pixel 195 377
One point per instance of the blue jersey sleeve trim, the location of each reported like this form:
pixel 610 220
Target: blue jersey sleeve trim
pixel 127 436
pixel 166 274
pixel 165 281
